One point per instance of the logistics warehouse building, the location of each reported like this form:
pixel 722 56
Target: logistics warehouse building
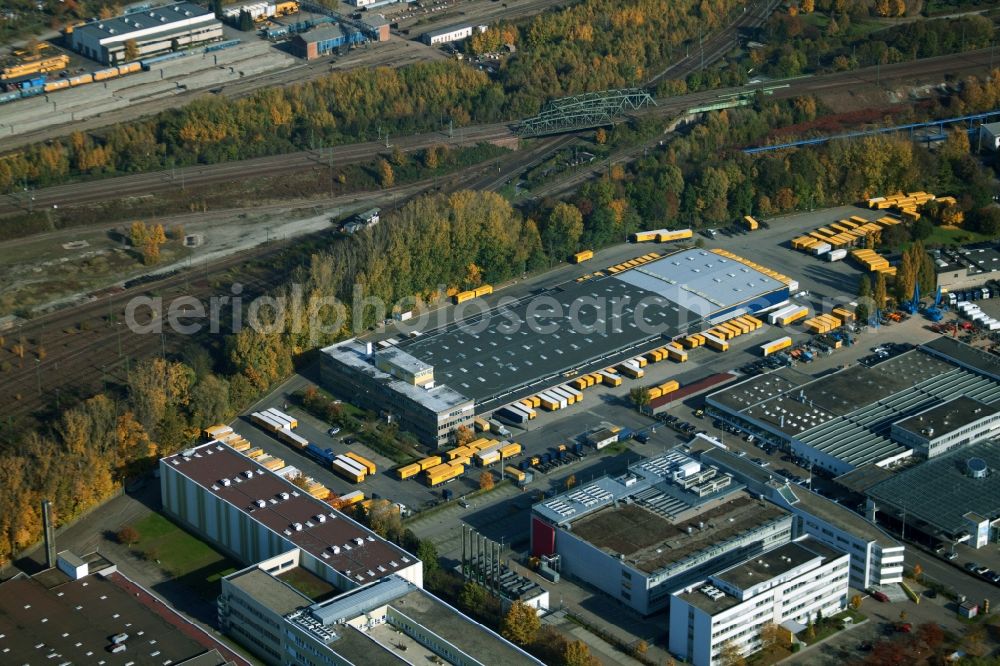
pixel 154 31
pixel 494 357
pixel 667 522
pixel 926 401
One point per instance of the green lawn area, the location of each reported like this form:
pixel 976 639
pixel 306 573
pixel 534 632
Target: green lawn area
pixel 831 626
pixel 184 556
pixel 954 237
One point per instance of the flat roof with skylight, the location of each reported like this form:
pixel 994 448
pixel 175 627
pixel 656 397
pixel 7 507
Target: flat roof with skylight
pixel 308 523
pixel 848 415
pixel 940 492
pixel 591 324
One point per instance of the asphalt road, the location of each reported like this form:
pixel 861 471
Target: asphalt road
pixel 931 70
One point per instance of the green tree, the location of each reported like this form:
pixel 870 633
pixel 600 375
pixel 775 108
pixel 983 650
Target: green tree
pixel 563 229
pixel 520 624
pixel 210 401
pixel 864 310
pixel 245 21
pixel 427 553
pixel 639 396
pixel 879 294
pixel 473 598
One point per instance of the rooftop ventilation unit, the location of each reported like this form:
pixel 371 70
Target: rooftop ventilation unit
pixel 283 496
pixel 297 527
pixel 225 482
pixel 261 503
pixel 977 468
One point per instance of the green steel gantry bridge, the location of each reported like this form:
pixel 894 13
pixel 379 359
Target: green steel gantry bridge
pixel 583 111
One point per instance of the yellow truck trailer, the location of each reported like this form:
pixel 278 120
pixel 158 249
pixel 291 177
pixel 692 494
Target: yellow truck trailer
pixel 580 257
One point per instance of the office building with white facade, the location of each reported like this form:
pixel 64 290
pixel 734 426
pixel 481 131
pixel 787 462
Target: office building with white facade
pixel 666 522
pixel 287 617
pixel 876 558
pixel 786 586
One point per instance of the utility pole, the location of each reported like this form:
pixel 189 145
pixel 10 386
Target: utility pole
pixel 38 374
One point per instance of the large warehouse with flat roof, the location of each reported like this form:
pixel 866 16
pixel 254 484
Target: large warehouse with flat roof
pixel 495 356
pixel 845 420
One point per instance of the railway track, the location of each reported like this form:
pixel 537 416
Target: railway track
pixel 930 70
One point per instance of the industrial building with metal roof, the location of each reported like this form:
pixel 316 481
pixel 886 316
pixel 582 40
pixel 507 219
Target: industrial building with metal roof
pixel 53 618
pixel 844 421
pixel 494 356
pixel 954 498
pixel 667 521
pixel 154 31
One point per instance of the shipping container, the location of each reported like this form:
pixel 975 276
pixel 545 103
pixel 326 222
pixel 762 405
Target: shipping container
pixel 793 316
pixel 556 395
pixel 427 463
pixel 820 248
pixel 437 477
pixel 582 256
pixel 463 296
pixel 351 498
pixel 677 354
pixel 481 425
pixel 510 450
pixel 281 416
pixel 255 452
pixel 266 422
pixel 563 395
pixel 367 464
pixel 775 346
pixel 345 471
pixel 352 463
pixel 513 414
pixel 217 431
pixel 484 290
pixel 515 473
pixel 577 394
pixel 408 471
pixel 630 371
pixel 640 361
pixel 718 344
pixel 484 458
pixel 836 255
pixel 289 437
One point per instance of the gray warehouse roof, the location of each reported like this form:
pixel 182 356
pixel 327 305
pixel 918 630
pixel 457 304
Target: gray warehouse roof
pixel 153 18
pixel 586 325
pixel 849 414
pixel 965 355
pixel 939 492
pixel 700 281
pixel 946 417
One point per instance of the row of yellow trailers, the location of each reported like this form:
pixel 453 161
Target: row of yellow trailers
pixel 660 235
pixel 773 274
pixel 873 262
pixel 907 204
pixel 718 336
pixel 660 390
pixel 823 323
pixel 842 233
pixel 478 292
pixel 632 263
pixel 452 463
pixel 40 66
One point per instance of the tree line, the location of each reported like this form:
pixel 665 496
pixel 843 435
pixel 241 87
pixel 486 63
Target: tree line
pixel 591 45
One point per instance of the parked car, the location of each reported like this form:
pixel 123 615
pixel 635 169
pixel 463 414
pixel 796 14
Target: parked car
pixel 951 556
pixel 642 438
pixel 880 596
pixel 904 627
pixel 972 566
pixel 333 431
